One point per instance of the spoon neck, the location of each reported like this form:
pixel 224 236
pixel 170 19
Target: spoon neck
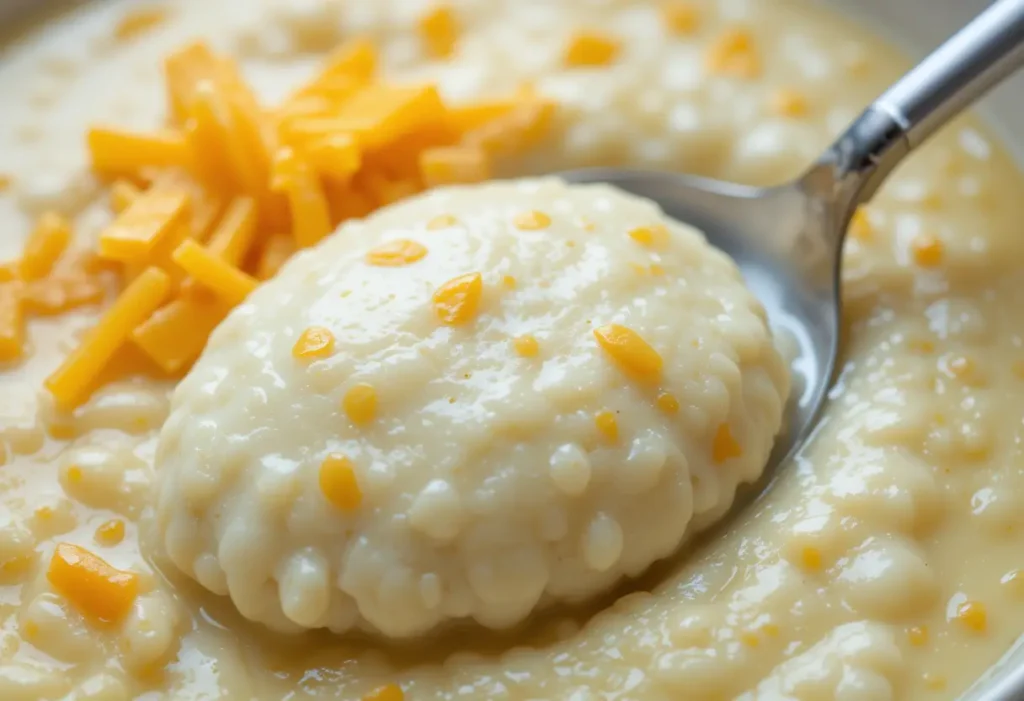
pixel 860 160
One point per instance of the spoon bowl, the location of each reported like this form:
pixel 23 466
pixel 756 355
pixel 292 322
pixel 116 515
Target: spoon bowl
pixel 787 240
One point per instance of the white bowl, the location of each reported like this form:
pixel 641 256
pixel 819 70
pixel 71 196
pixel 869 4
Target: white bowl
pixel 916 26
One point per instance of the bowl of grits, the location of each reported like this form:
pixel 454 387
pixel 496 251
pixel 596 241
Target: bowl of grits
pixel 316 383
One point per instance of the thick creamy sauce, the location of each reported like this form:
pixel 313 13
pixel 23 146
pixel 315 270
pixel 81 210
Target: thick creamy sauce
pixel 884 564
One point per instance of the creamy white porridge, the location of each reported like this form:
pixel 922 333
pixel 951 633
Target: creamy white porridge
pixel 529 445
pixel 883 565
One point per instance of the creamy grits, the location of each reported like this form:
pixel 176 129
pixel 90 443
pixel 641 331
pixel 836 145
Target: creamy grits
pixel 339 458
pixel 884 564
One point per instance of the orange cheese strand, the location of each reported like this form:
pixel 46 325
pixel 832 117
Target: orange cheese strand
pixel 138 21
pixel 335 155
pixel 724 446
pixel 630 351
pixel 110 533
pixel 174 336
pixel 467 117
pixel 72 381
pixel 338 483
pixel 379 114
pixel 235 232
pixel 226 281
pixel 184 71
pixel 206 130
pixel 122 194
pixel 136 232
pixel 311 217
pixel 48 240
pixel 656 236
pixel 100 592
pixel 314 342
pixel 734 54
pixel 231 189
pixel 440 31
pixel 396 253
pixel 355 59
pixel 591 49
pixel 276 251
pixel 456 302
pixel 388 692
pixel 61 292
pixel 518 130
pixel 381 190
pixel 360 404
pixel 402 158
pixel 681 17
pixel 608 425
pixel 12 322
pixel 454 165
pixel 119 152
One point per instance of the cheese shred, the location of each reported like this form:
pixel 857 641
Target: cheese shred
pixel 221 196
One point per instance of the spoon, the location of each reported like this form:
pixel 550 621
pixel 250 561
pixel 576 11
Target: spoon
pixel 788 240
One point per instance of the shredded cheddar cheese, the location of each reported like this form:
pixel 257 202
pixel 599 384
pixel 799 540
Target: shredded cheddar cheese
pixel 72 381
pixel 276 251
pixel 457 300
pixel 136 232
pixel 630 351
pixel 235 232
pixel 110 533
pixel 122 194
pixel 591 49
pixel 138 21
pixel 531 221
pixel 441 221
pixel 917 635
pixel 607 425
pixel 811 559
pixel 230 188
pixel 860 225
pixel 396 253
pixel 454 165
pixel 526 346
pixel 45 245
pixel 734 54
pixel 927 250
pixel 388 692
pixel 668 403
pixel 724 447
pixel 790 103
pixel 315 342
pixel 972 615
pixel 681 17
pixel 360 404
pixel 338 483
pixel 61 292
pixel 174 336
pixel 119 152
pixel 656 236
pixel 310 211
pixel 219 276
pixel 100 592
pixel 440 31
pixel 12 322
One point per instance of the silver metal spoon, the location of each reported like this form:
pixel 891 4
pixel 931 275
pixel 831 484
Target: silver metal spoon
pixel 788 240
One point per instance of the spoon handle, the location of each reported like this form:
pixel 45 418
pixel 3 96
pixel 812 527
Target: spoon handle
pixel 965 67
pixel 958 73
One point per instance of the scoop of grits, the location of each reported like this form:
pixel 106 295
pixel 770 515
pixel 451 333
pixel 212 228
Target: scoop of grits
pixel 467 405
